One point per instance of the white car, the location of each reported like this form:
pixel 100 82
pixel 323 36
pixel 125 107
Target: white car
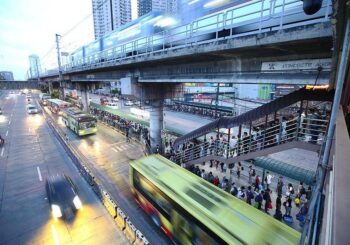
pixel 32 109
pixel 128 103
pixel 113 105
pixel 114 99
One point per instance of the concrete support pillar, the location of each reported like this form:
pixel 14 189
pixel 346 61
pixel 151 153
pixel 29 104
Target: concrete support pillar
pixel 156 125
pixel 85 97
pixel 50 88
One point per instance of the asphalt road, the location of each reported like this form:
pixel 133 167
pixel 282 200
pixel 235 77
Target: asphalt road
pixel 30 154
pixel 109 155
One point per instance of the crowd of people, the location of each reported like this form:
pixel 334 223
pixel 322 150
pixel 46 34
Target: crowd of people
pixel 258 192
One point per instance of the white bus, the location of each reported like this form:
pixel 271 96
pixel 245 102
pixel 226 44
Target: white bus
pixel 57 105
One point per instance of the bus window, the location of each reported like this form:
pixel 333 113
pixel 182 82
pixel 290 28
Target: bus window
pixel 153 194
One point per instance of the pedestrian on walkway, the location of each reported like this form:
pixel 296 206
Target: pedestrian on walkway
pixel 308 193
pixel 239 169
pixel 216 181
pixel 278 213
pixel 268 179
pixel 267 198
pixel 222 167
pixel 234 190
pixel 127 133
pixel 210 177
pixel 250 174
pixel 259 199
pixel 288 205
pixel 279 186
pixel 257 183
pixel 249 195
pixel 241 193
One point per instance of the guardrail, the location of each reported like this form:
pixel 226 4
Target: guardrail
pixel 133 235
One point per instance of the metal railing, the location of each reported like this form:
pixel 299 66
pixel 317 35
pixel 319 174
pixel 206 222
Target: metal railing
pixel 250 18
pixel 309 130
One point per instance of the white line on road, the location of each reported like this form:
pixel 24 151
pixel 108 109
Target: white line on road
pixel 115 150
pixel 9 122
pixel 2 151
pixel 39 173
pixel 54 234
pixel 7 132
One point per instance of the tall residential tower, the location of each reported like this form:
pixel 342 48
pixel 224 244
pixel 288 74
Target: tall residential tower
pixel 167 6
pixel 109 15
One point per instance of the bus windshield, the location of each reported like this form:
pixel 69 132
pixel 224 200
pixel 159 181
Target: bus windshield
pixel 85 125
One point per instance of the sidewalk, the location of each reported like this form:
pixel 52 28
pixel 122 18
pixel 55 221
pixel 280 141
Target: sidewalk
pixel 243 181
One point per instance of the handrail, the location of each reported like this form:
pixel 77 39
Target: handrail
pixel 259 112
pixel 310 130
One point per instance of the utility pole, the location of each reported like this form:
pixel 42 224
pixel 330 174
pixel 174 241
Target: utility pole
pixel 217 100
pixel 60 77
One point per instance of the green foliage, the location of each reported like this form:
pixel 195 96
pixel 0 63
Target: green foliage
pixel 115 91
pixel 55 94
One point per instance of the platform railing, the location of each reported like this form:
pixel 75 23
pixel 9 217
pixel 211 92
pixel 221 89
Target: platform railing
pixel 305 129
pixel 255 13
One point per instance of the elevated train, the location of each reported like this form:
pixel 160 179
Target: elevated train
pixel 200 20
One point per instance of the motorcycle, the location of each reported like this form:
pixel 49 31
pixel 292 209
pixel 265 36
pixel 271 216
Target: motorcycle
pixel 2 142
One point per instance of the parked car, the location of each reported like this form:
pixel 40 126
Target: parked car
pixel 63 197
pixel 113 105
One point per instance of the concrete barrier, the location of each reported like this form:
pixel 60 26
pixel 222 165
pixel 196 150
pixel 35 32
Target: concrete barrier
pixel 130 231
pixel 120 219
pixel 109 204
pixel 140 239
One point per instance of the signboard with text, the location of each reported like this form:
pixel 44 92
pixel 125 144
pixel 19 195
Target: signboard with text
pixel 311 64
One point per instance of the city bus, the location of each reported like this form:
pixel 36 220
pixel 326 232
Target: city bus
pixel 190 210
pixel 79 122
pixel 57 106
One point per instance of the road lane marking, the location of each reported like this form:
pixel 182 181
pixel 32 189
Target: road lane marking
pixel 2 151
pixel 7 132
pixel 115 150
pixel 39 173
pixel 9 122
pixel 54 234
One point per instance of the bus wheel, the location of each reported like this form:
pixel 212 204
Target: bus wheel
pixel 155 219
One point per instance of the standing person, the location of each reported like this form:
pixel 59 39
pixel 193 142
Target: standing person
pixel 241 193
pixel 279 186
pixel 249 195
pixel 239 169
pixel 301 189
pixel 278 213
pixel 288 205
pixel 250 174
pixel 216 181
pixel 127 133
pixel 259 199
pixel 268 179
pixel 267 198
pixel 257 183
pixel 234 190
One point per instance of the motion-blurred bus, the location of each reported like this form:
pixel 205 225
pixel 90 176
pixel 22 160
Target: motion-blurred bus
pixel 79 122
pixel 190 210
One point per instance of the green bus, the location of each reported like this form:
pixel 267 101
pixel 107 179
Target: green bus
pixel 80 122
pixel 190 210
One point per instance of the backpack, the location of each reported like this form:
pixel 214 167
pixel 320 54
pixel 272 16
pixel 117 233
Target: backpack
pixel 258 198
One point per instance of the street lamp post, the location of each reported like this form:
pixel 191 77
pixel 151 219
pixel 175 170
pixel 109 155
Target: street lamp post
pixel 60 77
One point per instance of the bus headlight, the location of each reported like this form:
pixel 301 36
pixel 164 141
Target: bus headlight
pixel 77 202
pixel 56 211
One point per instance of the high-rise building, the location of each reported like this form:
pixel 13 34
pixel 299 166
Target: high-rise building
pixel 34 66
pixel 6 75
pixel 109 15
pixel 166 6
